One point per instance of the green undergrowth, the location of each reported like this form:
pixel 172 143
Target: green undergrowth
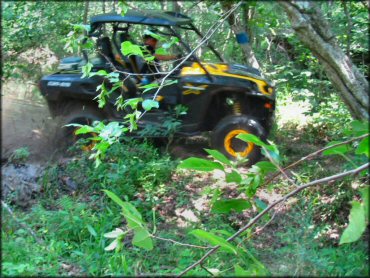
pixel 72 214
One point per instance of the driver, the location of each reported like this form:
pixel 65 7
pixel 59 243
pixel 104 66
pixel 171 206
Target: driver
pixel 151 43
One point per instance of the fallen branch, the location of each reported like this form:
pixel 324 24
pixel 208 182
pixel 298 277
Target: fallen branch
pixel 262 213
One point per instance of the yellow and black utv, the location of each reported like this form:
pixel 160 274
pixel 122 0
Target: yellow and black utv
pixel 224 99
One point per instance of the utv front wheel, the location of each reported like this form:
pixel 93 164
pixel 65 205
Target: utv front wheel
pixel 79 113
pixel 224 138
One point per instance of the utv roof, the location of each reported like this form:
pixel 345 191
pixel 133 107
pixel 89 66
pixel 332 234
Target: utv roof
pixel 146 17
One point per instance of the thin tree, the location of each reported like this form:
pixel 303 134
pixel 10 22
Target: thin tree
pixel 314 31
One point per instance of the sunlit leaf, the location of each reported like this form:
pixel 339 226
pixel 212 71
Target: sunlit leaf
pixel 200 164
pixel 363 147
pixel 214 240
pixel 357 224
pixel 233 177
pixel 365 199
pixel 161 51
pixel 226 206
pixel 218 156
pixel 359 128
pixel 148 104
pixel 86 70
pixel 341 149
pixel 128 48
pixel 142 239
pixel 239 271
pixel 115 198
pixel 84 129
pixel 251 138
pixel 132 102
pixel 266 166
pixel 111 246
pixel 114 234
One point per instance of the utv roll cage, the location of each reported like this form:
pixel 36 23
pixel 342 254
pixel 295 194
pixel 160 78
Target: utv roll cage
pixel 169 20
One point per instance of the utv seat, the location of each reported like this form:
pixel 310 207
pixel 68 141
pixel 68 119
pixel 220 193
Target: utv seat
pixel 106 50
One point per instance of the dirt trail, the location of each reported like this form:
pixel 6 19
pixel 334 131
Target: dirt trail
pixel 27 124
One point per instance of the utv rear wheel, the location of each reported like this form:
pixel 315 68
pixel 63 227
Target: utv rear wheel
pixel 79 113
pixel 224 138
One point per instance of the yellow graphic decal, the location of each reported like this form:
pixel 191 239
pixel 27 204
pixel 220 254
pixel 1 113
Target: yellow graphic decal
pixel 220 70
pixel 193 89
pixel 159 98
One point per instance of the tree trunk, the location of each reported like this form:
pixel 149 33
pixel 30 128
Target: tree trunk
pixel 86 12
pixel 313 30
pixel 238 27
pixel 176 7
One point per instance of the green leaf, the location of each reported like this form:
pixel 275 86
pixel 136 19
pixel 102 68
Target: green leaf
pixel 84 129
pixel 218 156
pixel 149 86
pixel 115 198
pixel 128 48
pixel 266 166
pixel 251 138
pixel 132 102
pixel 233 177
pixel 239 271
pixel 161 51
pixel 86 70
pixel 91 230
pixel 132 216
pixel 359 128
pixel 365 199
pixel 142 239
pixel 356 226
pixel 341 149
pixel 133 222
pixel 148 104
pixel 81 27
pixel 214 240
pixel 363 147
pixel 122 7
pixel 154 35
pixel 200 164
pixel 260 204
pixel 99 73
pixel 226 206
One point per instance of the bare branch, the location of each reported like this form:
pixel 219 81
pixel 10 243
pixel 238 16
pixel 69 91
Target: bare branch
pixel 262 213
pixel 180 243
pixel 311 155
pixel 282 171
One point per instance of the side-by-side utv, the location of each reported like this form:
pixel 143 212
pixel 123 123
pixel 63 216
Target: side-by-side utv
pixel 224 99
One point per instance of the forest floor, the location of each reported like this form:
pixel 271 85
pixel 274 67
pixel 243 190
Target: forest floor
pixel 302 239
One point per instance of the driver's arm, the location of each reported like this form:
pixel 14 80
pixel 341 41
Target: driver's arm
pixel 165 57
